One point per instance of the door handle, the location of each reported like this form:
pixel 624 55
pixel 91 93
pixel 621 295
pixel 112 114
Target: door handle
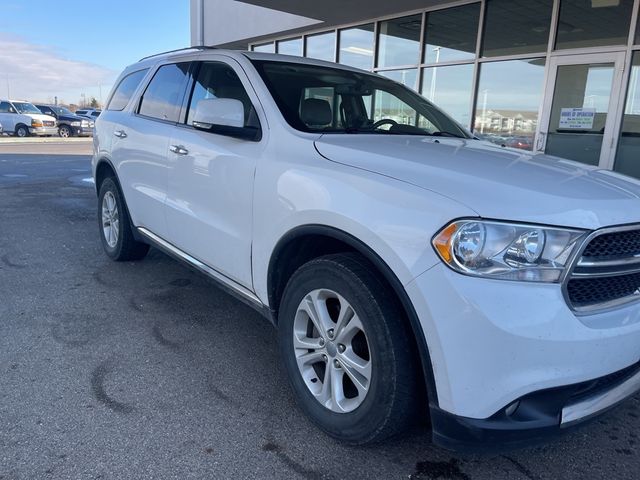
pixel 542 140
pixel 120 134
pixel 178 150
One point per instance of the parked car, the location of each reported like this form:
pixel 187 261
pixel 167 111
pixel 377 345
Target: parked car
pixel 523 143
pixel 407 268
pixel 90 113
pixel 69 124
pixel 23 119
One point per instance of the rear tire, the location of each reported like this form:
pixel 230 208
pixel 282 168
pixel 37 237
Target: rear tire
pixel 115 225
pixel 347 350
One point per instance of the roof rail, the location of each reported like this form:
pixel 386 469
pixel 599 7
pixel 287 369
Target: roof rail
pixel 196 47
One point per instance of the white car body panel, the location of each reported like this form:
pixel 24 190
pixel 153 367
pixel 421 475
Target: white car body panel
pixel 228 203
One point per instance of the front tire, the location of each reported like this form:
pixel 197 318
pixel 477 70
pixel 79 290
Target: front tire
pixel 64 131
pixel 346 350
pixel 22 131
pixel 115 226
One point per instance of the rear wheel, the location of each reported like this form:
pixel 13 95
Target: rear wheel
pixel 115 227
pixel 346 350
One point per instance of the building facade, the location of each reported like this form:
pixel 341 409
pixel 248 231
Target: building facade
pixel 554 76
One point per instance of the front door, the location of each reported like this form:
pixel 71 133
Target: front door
pixel 210 196
pixel 579 116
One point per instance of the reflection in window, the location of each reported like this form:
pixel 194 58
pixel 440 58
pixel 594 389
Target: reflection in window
pixel 590 23
pixel 163 96
pixel 322 46
pixel 265 48
pixel 451 34
pixel 509 94
pixel 514 27
pixel 290 47
pixel 356 47
pixel 408 77
pixel 450 88
pixel 628 154
pixel 399 41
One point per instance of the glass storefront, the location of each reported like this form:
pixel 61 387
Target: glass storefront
pixel 628 153
pixel 322 46
pixel 450 88
pixel 509 96
pixel 485 63
pixel 399 41
pixel 290 47
pixel 356 46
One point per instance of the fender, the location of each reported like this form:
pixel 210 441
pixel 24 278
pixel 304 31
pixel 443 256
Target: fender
pixel 389 276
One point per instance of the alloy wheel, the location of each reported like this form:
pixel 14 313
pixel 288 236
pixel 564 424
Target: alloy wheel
pixel 110 219
pixel 332 351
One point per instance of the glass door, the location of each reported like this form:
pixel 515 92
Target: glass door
pixel 578 119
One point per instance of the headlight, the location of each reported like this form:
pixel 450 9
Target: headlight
pixel 507 251
pixel 85 123
pixel 76 124
pixel 36 123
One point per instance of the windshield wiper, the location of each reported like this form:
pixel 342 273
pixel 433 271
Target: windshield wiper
pixel 447 134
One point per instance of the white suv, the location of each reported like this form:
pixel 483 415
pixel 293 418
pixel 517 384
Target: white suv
pixel 409 267
pixel 23 119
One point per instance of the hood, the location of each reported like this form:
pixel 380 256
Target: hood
pixel 496 182
pixel 72 118
pixel 41 116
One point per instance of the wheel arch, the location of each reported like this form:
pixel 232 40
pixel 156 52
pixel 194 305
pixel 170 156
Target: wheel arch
pixel 303 243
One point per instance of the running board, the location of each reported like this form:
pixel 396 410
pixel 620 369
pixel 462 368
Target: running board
pixel 241 293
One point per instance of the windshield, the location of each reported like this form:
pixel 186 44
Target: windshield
pixel 62 111
pixel 331 100
pixel 24 107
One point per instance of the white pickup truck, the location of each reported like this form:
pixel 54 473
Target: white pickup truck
pixel 408 266
pixel 23 119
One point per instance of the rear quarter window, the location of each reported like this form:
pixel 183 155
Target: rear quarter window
pixel 125 90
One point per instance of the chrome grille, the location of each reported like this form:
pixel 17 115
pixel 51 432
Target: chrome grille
pixel 607 271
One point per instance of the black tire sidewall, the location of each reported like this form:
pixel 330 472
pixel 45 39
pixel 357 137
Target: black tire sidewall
pixel 363 422
pixel 109 185
pixel 68 129
pixel 23 128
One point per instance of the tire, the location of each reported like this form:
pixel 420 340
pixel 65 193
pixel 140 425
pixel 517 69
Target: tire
pixel 115 226
pixel 21 131
pixel 64 131
pixel 381 350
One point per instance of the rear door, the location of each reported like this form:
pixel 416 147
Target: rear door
pixel 7 118
pixel 141 143
pixel 209 202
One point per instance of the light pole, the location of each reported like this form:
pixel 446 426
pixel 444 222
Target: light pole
pixel 432 90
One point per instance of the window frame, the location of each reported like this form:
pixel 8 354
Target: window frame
pixel 133 95
pixel 185 82
pixel 234 132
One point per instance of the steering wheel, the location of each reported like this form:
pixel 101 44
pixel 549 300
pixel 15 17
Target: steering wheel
pixel 384 121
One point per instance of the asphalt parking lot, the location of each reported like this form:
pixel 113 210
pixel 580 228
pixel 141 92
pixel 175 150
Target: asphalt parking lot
pixel 145 370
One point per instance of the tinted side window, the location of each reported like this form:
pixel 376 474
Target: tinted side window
pixel 125 90
pixel 4 107
pixel 218 80
pixel 163 97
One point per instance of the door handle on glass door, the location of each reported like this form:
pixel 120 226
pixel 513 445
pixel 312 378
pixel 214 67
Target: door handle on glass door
pixel 540 144
pixel 178 150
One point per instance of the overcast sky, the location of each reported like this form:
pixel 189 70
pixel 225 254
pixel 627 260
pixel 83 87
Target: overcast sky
pixel 67 49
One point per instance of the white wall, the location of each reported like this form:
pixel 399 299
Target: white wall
pixel 229 21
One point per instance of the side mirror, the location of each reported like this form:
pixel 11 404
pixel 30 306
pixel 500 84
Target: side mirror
pixel 12 110
pixel 227 112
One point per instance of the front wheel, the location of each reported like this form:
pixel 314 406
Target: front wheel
pixel 115 227
pixel 64 131
pixel 346 349
pixel 22 131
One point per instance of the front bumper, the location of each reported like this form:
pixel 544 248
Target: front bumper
pixel 82 131
pixel 41 131
pixel 497 344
